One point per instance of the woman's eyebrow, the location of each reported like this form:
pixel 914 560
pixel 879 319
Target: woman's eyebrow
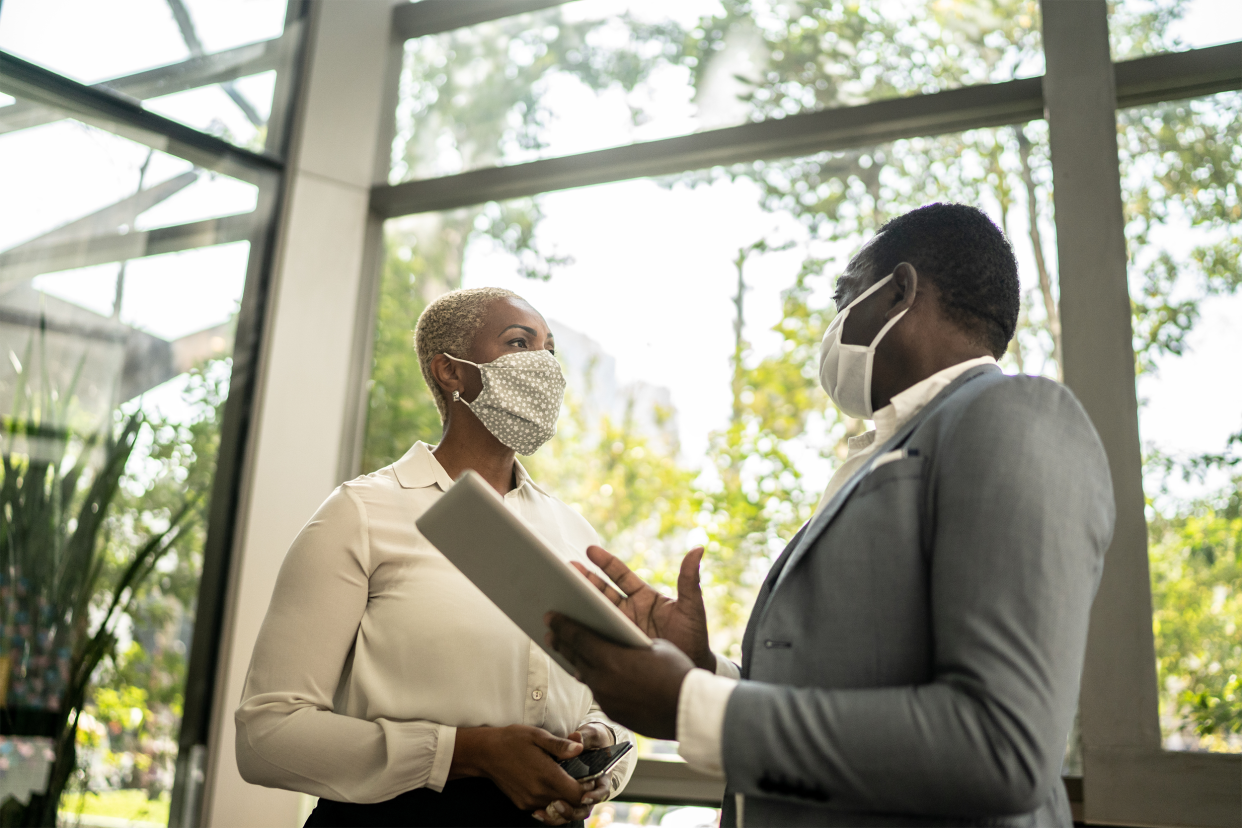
pixel 530 331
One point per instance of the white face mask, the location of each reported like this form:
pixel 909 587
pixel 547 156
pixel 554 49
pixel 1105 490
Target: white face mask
pixel 845 370
pixel 521 398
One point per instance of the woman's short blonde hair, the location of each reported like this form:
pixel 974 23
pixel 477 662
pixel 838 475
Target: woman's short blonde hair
pixel 448 326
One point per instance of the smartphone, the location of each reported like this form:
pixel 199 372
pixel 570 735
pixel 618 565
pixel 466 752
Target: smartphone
pixel 592 764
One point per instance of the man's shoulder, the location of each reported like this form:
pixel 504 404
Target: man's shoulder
pixel 1021 397
pixel 1009 414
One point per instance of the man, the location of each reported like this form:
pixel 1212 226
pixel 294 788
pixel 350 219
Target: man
pixel 914 654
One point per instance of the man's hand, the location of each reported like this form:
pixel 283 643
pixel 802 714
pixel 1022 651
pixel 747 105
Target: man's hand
pixel 636 688
pixel 521 761
pixel 682 621
pixel 592 735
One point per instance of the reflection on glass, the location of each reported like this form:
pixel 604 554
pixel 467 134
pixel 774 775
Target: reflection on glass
pixel 1148 27
pixel 210 64
pixel 602 73
pixel 688 314
pixel 121 271
pixel 1181 171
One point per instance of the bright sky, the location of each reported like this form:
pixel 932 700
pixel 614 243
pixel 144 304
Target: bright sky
pixel 652 278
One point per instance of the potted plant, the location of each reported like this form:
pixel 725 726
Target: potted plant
pixel 60 598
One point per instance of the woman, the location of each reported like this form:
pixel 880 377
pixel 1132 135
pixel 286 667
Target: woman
pixel 383 681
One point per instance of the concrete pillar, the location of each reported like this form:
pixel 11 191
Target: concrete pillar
pixel 317 332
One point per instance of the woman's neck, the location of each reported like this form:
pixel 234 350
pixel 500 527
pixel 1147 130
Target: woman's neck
pixel 467 444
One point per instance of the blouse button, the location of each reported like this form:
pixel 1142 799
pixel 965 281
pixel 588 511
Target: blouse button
pixel 536 694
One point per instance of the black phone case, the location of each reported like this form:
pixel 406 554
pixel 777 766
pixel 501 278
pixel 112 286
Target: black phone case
pixel 592 763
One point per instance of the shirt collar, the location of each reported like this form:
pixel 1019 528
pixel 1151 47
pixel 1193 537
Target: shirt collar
pixel 905 405
pixel 418 468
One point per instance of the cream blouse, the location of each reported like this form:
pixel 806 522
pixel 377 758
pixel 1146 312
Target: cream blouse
pixel 375 648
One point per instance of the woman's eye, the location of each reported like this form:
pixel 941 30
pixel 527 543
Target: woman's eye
pixel 520 343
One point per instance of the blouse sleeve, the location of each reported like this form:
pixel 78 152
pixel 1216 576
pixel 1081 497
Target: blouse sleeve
pixel 288 735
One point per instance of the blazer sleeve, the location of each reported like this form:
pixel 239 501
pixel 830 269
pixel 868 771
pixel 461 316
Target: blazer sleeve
pixel 1022 503
pixel 288 734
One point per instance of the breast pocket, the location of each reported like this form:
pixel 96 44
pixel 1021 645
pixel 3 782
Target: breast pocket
pixel 907 469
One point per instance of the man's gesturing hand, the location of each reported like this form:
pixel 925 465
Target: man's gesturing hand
pixel 635 687
pixel 682 621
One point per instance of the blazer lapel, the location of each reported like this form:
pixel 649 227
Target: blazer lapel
pixel 820 522
pixel 748 637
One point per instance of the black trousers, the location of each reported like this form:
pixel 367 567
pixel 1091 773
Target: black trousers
pixel 465 802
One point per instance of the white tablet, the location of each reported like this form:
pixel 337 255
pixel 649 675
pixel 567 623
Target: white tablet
pixel 513 566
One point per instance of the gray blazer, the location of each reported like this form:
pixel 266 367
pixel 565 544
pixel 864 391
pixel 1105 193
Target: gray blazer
pixel 914 654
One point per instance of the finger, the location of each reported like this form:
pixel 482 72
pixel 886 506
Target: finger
pixel 597 793
pixel 574 641
pixel 559 811
pixel 548 817
pixel 600 584
pixel 617 571
pixel 555 745
pixel 576 736
pixel 688 579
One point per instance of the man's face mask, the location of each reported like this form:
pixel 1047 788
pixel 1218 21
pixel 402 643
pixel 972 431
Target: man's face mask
pixel 845 370
pixel 521 398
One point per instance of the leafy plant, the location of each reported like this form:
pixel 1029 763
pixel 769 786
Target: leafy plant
pixel 60 594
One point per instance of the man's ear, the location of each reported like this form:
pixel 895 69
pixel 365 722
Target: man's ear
pixel 447 375
pixel 906 286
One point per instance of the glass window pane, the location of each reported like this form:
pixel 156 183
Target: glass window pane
pixel 1147 27
pixel 680 428
pixel 644 813
pixel 162 52
pixel 603 73
pixel 121 273
pixel 1181 174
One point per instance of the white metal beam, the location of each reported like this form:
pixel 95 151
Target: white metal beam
pixel 1160 77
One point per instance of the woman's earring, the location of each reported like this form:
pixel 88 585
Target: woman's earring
pixel 456 396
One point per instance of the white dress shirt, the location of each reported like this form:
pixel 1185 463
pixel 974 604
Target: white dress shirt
pixel 375 648
pixel 704 697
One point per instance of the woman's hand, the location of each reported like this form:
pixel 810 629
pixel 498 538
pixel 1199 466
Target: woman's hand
pixel 521 761
pixel 592 735
pixel 682 620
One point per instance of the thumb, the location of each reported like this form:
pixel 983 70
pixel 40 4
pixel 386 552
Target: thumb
pixel 555 745
pixel 688 578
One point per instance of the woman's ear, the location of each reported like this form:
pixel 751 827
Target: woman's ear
pixel 906 284
pixel 447 375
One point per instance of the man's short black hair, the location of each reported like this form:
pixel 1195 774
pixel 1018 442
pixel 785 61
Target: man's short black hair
pixel 967 258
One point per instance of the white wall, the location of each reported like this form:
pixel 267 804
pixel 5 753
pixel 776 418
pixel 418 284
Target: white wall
pixel 308 384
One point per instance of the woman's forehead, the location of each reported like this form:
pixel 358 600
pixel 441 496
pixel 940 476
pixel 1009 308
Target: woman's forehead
pixel 512 310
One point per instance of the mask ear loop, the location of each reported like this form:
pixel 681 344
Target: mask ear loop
pixel 885 329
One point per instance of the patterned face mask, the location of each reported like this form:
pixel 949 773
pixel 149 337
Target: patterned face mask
pixel 521 398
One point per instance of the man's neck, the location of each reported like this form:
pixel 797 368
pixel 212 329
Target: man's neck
pixel 923 364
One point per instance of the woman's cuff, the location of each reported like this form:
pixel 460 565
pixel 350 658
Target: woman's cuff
pixel 446 742
pixel 701 708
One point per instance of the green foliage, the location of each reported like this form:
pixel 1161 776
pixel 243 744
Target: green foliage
pixel 1196 566
pixel 400 409
pixel 118 747
pixel 63 586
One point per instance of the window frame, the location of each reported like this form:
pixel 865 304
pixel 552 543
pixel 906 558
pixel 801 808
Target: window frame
pixel 115 106
pixel 1128 777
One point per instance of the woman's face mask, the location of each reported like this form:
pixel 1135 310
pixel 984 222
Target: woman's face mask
pixel 521 398
pixel 845 370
